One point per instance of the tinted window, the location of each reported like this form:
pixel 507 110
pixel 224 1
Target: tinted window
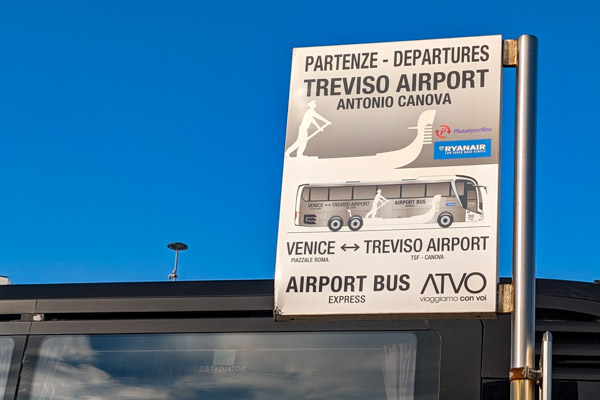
pixel 7 346
pixel 278 366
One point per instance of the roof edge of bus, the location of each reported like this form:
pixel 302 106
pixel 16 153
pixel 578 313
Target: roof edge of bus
pixel 468 177
pixel 419 178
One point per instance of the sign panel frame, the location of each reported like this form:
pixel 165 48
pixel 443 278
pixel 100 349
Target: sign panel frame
pixel 389 204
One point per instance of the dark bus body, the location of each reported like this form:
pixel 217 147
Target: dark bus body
pixel 218 340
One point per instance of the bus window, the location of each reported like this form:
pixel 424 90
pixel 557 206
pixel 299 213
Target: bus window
pixel 390 191
pixel 282 366
pixel 365 192
pixel 6 352
pixel 433 189
pixel 413 190
pixel 319 194
pixel 471 197
pixel 340 193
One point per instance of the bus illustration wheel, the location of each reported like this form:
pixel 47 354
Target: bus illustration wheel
pixel 445 219
pixel 355 222
pixel 335 223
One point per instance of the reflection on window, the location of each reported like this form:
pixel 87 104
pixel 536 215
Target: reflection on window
pixel 281 366
pixel 6 350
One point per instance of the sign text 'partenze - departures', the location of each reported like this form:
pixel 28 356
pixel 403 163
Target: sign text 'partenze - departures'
pixel 389 202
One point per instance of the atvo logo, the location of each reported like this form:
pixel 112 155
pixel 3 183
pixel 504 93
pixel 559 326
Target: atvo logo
pixel 473 283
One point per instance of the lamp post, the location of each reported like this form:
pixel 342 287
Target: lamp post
pixel 177 246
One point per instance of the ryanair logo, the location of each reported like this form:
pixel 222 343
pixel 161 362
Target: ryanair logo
pixel 462 149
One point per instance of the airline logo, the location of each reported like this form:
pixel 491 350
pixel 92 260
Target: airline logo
pixel 462 149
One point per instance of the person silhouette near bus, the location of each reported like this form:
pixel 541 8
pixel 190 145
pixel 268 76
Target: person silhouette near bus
pixel 311 117
pixel 378 202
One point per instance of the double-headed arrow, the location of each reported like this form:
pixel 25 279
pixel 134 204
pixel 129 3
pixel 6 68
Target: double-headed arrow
pixel 355 247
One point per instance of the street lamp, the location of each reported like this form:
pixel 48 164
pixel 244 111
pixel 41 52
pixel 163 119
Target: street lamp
pixel 177 246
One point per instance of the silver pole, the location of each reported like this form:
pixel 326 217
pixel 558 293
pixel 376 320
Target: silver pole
pixel 546 367
pixel 523 318
pixel 174 273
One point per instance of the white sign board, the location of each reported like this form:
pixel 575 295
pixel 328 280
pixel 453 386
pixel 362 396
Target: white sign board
pixel 389 203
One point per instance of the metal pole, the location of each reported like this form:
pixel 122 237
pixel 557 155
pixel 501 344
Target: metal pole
pixel 522 387
pixel 546 367
pixel 177 247
pixel 174 273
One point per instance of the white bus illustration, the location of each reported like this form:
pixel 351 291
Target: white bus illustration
pixel 442 200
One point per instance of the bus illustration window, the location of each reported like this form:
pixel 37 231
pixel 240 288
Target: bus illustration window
pixel 319 194
pixel 365 192
pixel 413 190
pixel 390 191
pixel 433 189
pixel 459 188
pixel 427 200
pixel 340 193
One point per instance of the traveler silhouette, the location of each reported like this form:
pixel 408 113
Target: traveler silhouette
pixel 378 202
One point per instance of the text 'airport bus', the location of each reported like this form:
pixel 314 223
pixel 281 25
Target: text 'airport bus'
pixel 441 200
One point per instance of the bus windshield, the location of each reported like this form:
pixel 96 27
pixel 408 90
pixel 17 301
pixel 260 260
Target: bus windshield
pixel 282 366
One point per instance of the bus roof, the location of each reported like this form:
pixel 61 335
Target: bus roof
pixel 420 179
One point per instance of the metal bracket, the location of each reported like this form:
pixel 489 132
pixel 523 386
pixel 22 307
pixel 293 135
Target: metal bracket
pixel 515 374
pixel 510 54
pixel 506 299
pixel 543 376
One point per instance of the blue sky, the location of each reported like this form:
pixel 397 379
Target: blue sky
pixel 124 125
